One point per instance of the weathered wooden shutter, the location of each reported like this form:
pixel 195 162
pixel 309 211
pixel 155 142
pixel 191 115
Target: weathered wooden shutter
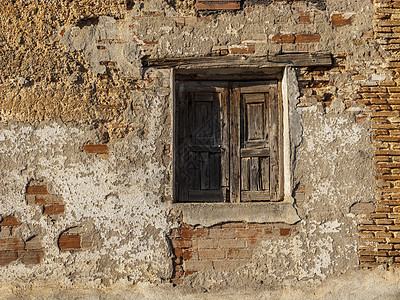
pixel 201 127
pixel 255 114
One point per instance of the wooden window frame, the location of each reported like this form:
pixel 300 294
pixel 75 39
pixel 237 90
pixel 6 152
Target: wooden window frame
pixel 232 94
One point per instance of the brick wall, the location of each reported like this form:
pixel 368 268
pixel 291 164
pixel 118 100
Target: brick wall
pixel 222 247
pixel 379 226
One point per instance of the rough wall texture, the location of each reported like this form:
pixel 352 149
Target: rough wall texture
pixel 86 144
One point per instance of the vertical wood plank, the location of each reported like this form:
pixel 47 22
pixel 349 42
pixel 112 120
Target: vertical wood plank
pixel 205 171
pixel 274 146
pixel 215 168
pixel 254 174
pixel 224 121
pixel 265 173
pixel 245 174
pixel 235 145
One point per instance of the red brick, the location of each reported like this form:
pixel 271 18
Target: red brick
pixel 222 233
pixel 178 252
pixel 243 49
pixel 33 243
pixel 37 190
pixel 10 221
pixel 31 257
pixel 55 209
pixel 367 258
pixel 228 265
pixel 181 243
pixel 175 233
pixel 248 233
pixel 231 243
pixel 211 253
pixel 283 38
pixel 188 273
pixel 188 254
pixel 197 265
pixel 7 257
pixel 229 5
pixel 307 38
pixel 239 253
pixel 195 233
pixel 101 149
pixel 340 20
pixel 284 231
pixel 372 253
pixel 11 244
pixel 69 242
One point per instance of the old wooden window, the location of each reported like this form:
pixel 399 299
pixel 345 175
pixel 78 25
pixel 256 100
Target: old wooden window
pixel 228 141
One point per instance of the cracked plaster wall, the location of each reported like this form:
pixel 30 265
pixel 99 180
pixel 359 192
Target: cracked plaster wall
pixel 64 84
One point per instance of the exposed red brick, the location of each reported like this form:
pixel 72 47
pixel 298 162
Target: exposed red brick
pixel 243 49
pixel 181 243
pixel 220 5
pixel 10 221
pixel 54 209
pixel 248 233
pixel 284 231
pixel 239 253
pixel 99 149
pixel 307 38
pixel 188 273
pixel 192 233
pixel 37 190
pixel 31 257
pixel 211 253
pixel 341 20
pixel 69 242
pixel 11 243
pixel 283 38
pixel 7 257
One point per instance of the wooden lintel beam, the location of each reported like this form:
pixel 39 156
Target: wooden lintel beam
pixel 235 61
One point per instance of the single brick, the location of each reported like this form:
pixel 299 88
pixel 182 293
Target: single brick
pixel 367 258
pixel 221 233
pixel 211 254
pixel 342 19
pixel 205 243
pixel 369 264
pixel 69 242
pixel 194 233
pixel 231 243
pixel 190 254
pixel 181 243
pixel 55 209
pixel 372 253
pixel 384 259
pixel 37 190
pixel 228 265
pixel 31 257
pixel 307 38
pixel 197 265
pixel 248 233
pixel 100 149
pixel 11 244
pixel 283 38
pixel 220 5
pixel 243 49
pixel 7 257
pixel 284 231
pixel 239 253
pixel 384 247
pixel 10 221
